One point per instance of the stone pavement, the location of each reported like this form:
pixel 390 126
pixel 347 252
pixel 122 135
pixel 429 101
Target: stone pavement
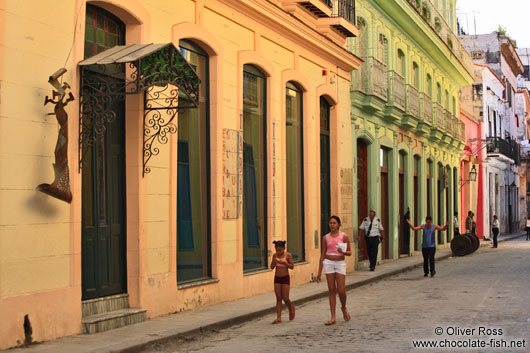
pixel 137 337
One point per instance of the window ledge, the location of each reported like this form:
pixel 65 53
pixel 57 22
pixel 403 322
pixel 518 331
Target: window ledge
pixel 197 283
pixel 250 273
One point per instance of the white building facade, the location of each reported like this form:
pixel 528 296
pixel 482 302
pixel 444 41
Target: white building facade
pixel 501 67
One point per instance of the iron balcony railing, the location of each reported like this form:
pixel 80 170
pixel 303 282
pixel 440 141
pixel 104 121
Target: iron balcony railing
pixel 438 116
pixel 396 89
pixel 413 101
pixel 462 131
pixel 328 2
pixel 426 108
pixel 343 8
pixel 448 122
pixel 373 79
pixel 502 146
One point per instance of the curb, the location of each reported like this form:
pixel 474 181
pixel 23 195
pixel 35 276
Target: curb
pixel 216 326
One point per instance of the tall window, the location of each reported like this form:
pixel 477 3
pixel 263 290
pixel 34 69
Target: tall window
pixel 325 189
pixel 254 169
pixel 438 93
pixel 454 106
pixel 193 172
pixel 295 170
pixel 382 49
pixel 446 100
pixel 416 75
pixel 429 85
pixel 401 63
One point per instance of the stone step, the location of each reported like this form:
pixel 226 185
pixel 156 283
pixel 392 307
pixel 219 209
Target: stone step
pixel 113 319
pixel 105 304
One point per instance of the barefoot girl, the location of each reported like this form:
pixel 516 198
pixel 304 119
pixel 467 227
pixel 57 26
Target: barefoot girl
pixel 282 261
pixel 335 245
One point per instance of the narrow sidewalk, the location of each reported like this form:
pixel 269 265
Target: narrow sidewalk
pixel 136 337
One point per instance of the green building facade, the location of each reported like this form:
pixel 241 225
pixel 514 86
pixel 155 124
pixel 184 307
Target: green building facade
pixel 407 137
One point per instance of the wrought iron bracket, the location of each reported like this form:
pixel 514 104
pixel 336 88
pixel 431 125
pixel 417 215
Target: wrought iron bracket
pixel 159 71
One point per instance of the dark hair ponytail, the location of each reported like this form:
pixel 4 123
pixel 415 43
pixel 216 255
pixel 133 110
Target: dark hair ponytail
pixel 335 218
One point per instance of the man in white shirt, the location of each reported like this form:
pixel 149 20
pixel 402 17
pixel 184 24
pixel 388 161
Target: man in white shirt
pixel 373 233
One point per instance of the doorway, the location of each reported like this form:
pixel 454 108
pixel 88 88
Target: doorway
pixel 362 193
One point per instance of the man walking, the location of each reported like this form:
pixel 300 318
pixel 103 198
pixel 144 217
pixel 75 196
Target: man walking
pixel 373 233
pixel 469 222
pixel 428 247
pixel 456 225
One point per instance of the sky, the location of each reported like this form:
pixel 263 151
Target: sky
pixel 514 15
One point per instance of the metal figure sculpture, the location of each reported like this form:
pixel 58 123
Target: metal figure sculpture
pixel 60 188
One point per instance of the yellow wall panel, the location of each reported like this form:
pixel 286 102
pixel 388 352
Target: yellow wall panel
pixel 276 54
pixel 31 206
pixel 32 241
pixel 157 260
pixel 26 275
pixel 227 30
pixel 157 235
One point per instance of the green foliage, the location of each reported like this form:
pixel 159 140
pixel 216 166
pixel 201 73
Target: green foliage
pixel 426 12
pixel 438 24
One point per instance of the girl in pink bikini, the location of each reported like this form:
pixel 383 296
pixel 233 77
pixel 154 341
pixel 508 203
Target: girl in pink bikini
pixel 335 246
pixel 282 261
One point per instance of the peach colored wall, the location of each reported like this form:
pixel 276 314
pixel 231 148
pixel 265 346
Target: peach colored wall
pixel 40 237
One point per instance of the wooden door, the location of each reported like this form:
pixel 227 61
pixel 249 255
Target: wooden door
pixel 403 246
pixel 325 183
pixel 385 213
pixel 440 198
pixel 362 194
pixel 103 209
pixel 416 211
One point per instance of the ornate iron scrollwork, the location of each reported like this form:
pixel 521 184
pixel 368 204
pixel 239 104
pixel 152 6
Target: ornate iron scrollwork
pixel 158 71
pixel 160 108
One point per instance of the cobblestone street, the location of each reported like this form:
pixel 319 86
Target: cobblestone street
pixel 488 289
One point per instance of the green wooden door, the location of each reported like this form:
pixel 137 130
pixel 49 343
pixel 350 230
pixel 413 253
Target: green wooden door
pixel 103 203
pixel 103 185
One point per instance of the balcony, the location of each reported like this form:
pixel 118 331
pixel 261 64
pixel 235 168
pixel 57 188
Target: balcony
pixel 426 108
pixel 438 116
pixel 462 128
pixel 372 78
pixel 413 101
pixel 430 15
pixel 319 8
pixel 342 16
pixel 500 146
pixel 396 89
pixel 448 122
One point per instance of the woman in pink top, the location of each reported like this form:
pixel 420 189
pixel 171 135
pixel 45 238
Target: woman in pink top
pixel 335 245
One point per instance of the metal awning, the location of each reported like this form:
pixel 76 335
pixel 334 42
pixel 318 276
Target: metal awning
pixel 152 69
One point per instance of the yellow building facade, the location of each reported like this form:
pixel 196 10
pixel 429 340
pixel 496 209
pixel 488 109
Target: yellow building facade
pixel 172 208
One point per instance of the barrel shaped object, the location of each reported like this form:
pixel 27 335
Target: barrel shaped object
pixel 475 241
pixel 461 245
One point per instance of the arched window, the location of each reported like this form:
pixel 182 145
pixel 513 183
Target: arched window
pixel 295 170
pixel 438 93
pixel 454 107
pixel 325 170
pixel 401 63
pixel 193 175
pixel 383 49
pixel 446 99
pixel 103 234
pixel 254 169
pixel 429 85
pixel 416 75
pixel 362 40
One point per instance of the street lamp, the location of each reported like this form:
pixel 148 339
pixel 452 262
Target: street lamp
pixel 472 177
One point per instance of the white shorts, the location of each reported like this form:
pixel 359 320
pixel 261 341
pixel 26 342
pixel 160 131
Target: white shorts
pixel 330 266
